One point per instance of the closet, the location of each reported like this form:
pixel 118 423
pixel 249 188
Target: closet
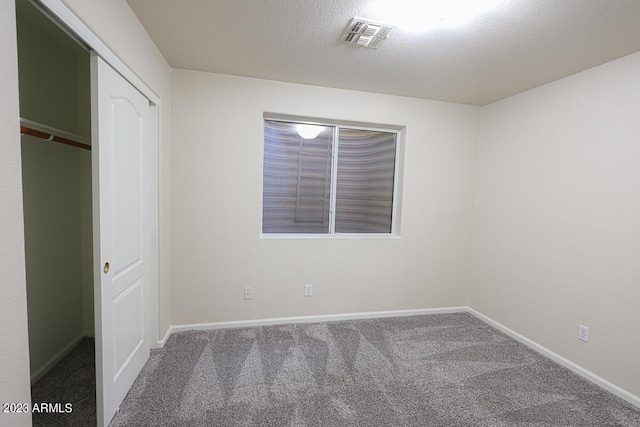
pixel 55 110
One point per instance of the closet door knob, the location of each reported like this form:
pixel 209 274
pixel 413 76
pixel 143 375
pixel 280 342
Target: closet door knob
pixel 106 268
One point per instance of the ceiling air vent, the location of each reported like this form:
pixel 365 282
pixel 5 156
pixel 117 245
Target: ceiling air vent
pixel 366 33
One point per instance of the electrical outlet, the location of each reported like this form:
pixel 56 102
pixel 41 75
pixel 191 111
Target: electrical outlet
pixel 248 292
pixel 308 290
pixel 583 333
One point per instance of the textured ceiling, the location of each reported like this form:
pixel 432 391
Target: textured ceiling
pixel 520 45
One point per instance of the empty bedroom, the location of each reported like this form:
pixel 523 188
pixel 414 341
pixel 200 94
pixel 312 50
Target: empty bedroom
pixel 330 213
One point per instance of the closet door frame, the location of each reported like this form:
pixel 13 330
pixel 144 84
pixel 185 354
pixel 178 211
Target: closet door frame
pixel 59 13
pixel 70 23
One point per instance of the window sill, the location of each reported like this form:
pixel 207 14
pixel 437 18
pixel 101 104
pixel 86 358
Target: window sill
pixel 337 236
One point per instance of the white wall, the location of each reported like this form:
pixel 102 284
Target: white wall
pixel 217 142
pixel 50 67
pixel 51 194
pixel 557 219
pixel 118 27
pixel 14 352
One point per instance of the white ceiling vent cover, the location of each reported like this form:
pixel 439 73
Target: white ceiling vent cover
pixel 365 33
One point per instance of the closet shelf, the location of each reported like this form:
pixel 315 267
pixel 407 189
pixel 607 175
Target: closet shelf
pixel 29 127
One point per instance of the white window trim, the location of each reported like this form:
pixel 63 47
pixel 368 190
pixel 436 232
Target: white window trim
pixel 336 124
pixel 298 236
pixel 334 180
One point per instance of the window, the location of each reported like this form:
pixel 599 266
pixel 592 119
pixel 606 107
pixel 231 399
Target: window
pixel 324 179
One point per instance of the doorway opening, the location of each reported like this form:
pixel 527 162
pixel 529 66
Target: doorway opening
pixel 55 110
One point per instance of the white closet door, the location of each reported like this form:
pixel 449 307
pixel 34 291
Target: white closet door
pixel 119 133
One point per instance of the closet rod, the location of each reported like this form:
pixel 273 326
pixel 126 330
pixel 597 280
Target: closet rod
pixel 52 137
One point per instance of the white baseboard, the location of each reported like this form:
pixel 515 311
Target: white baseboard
pixel 39 373
pixel 310 319
pixel 584 373
pixel 163 341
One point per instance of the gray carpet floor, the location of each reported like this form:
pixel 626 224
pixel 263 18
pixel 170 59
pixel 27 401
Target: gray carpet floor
pixel 72 380
pixel 435 370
